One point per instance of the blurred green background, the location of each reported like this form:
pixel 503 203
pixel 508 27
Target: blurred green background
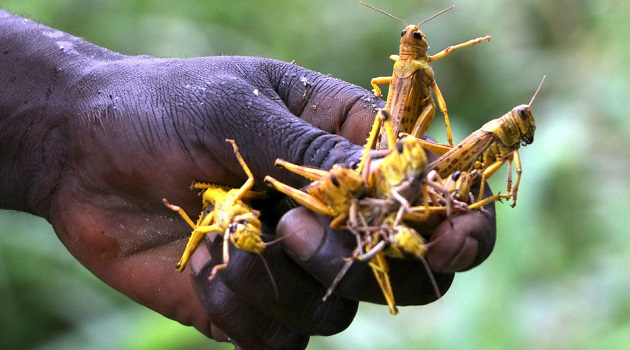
pixel 559 276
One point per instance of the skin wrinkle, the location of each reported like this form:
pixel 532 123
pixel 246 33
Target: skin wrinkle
pixel 147 130
pixel 173 116
pixel 299 104
pixel 51 176
pixel 284 80
pixel 347 104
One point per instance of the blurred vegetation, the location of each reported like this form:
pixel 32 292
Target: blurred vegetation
pixel 558 277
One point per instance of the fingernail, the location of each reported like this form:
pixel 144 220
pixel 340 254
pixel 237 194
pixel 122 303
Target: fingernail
pixel 303 232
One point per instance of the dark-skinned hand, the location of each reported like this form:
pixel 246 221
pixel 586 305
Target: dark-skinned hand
pixel 92 141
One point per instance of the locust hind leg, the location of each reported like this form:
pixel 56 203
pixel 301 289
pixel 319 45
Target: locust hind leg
pixel 424 121
pixel 249 184
pixel 378 263
pixel 485 175
pixel 310 173
pixel 301 197
pixel 371 140
pixel 197 235
pixel 195 239
pixel 381 272
pixel 437 148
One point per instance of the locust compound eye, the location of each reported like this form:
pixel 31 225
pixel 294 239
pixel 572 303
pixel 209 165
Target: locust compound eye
pixel 232 228
pixel 417 35
pixel 399 146
pixel 403 33
pixel 334 180
pixel 384 114
pixel 522 113
pixel 456 175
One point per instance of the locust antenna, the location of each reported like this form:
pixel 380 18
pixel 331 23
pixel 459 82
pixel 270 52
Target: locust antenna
pixel 273 281
pixel 435 15
pixel 538 89
pixel 383 12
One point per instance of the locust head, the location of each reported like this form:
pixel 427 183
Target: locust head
pixel 524 118
pixel 412 38
pixel 347 181
pixel 245 235
pixel 522 115
pixel 406 242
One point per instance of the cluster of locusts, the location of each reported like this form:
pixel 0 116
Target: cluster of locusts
pixel 375 203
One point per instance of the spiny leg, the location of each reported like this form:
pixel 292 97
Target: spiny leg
pixel 380 269
pixel 483 202
pixel 388 127
pixel 442 104
pixel 301 197
pixel 339 277
pixel 352 223
pixel 380 80
pixel 195 239
pixel 247 186
pixel 371 140
pixel 517 164
pixel 179 211
pixel 226 256
pixel 447 51
pixel 310 173
pixel 424 121
pixel 437 148
pixel 486 175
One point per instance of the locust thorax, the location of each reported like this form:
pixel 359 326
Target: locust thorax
pixel 214 194
pixel 413 43
pixel 413 157
pixel 406 162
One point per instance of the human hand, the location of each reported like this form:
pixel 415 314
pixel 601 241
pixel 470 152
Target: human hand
pixel 116 134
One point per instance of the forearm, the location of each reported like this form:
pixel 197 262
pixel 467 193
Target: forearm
pixel 37 65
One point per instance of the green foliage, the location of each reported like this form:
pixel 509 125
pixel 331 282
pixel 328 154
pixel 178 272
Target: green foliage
pixel 557 277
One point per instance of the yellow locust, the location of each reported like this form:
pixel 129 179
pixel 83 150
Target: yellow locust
pixel 231 216
pixel 409 100
pixel 484 151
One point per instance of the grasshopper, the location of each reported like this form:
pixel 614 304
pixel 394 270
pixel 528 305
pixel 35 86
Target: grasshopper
pixel 393 182
pixel 375 243
pixel 231 217
pixel 331 192
pixel 409 98
pixel 484 151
